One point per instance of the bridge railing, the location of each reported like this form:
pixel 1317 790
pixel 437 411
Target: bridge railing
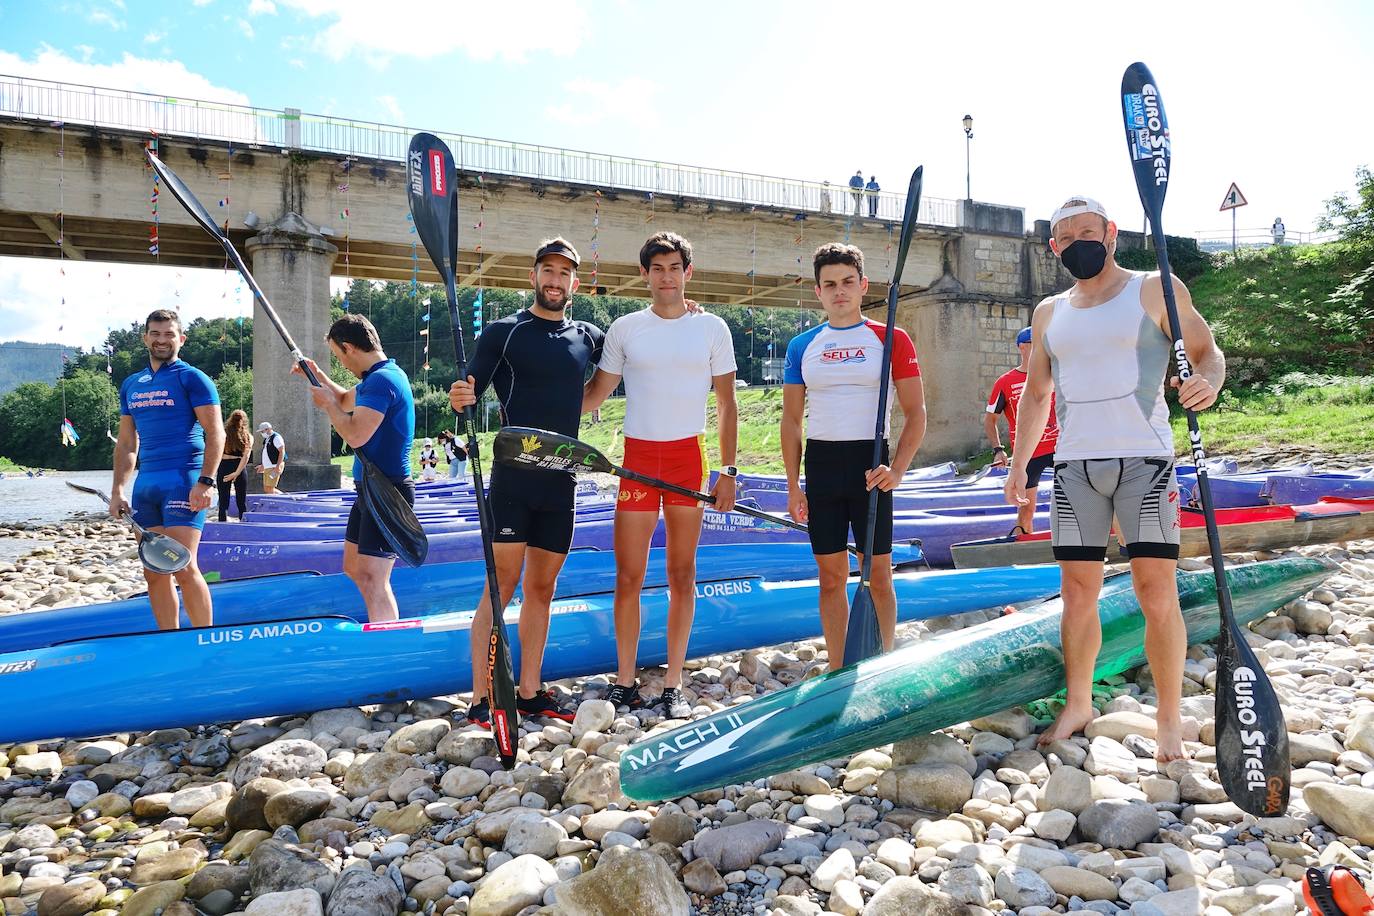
pixel 44 100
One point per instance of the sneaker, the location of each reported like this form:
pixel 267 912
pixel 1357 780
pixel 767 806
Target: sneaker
pixel 479 713
pixel 543 704
pixel 674 704
pixel 626 696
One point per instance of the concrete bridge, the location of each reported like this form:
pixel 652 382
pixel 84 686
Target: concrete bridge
pixel 310 197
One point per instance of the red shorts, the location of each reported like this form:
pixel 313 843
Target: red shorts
pixel 681 462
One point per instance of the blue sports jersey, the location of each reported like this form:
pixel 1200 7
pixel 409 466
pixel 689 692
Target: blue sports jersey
pixel 163 407
pixel 385 389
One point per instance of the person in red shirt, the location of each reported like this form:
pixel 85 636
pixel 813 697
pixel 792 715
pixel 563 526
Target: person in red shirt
pixel 1006 394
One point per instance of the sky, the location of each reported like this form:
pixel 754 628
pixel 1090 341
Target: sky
pixel 1268 95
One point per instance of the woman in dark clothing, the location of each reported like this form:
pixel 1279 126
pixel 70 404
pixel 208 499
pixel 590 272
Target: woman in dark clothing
pixel 238 445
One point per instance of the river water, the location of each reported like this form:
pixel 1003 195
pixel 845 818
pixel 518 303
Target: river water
pixel 44 500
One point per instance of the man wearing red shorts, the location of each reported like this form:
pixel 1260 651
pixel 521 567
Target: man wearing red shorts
pixel 669 359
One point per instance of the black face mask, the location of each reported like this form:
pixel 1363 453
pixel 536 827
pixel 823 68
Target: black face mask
pixel 1084 258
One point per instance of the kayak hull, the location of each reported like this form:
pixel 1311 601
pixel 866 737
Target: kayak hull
pixel 227 673
pixel 935 683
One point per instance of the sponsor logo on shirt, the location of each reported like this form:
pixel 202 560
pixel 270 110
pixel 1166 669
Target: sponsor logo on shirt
pixel 145 377
pixel 834 353
pixel 159 398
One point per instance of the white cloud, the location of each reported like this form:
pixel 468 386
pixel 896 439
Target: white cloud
pixel 153 38
pixel 202 2
pixel 587 101
pixel 139 74
pixel 297 63
pixel 481 31
pixel 262 8
pixel 100 296
pixel 393 110
pixel 101 16
pixel 246 28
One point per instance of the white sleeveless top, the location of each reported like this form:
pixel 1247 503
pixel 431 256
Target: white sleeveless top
pixel 1109 363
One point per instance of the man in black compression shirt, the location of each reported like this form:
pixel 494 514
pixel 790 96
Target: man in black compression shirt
pixel 536 360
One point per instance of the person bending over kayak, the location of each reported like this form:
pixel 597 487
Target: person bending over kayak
pixel 831 377
pixel 537 361
pixel 376 418
pixel 669 357
pixel 1103 347
pixel 169 421
pixel 1006 394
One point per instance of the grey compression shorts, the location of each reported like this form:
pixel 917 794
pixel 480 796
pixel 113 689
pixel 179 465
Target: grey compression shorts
pixel 1142 493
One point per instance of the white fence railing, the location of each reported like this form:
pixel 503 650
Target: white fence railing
pixel 43 100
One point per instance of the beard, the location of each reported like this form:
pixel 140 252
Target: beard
pixel 545 303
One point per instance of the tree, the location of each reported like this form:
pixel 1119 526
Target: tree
pixel 1354 220
pixel 31 419
pixel 235 387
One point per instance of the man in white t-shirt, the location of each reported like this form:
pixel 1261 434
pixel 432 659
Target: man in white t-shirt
pixel 670 359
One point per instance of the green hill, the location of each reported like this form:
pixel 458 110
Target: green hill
pixel 22 362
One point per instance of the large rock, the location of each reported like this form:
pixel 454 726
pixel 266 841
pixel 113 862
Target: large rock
pixel 418 737
pixel 218 876
pixel 334 721
pixel 911 897
pixel 34 836
pixel 671 827
pixel 942 787
pixel 1118 824
pixel 465 746
pixel 838 866
pixel 635 823
pixel 408 820
pixel 933 748
pixel 1120 725
pixel 190 800
pixel 295 807
pixel 152 900
pixel 1068 789
pixel 75 899
pixel 1348 810
pixel 1305 749
pixel 519 883
pixel 593 716
pixel 633 884
pixel 278 866
pixel 1014 723
pixel 303 902
pixel 463 782
pixel 1020 887
pixel 245 810
pixel 1079 882
pixel 1359 734
pixel 967 883
pixel 360 892
pixel 534 835
pixel 701 877
pixel 289 758
pixel 739 846
pixel 596 784
pixel 176 864
pixel 370 772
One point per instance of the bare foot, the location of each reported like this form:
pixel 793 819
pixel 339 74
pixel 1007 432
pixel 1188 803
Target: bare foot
pixel 1070 720
pixel 1169 741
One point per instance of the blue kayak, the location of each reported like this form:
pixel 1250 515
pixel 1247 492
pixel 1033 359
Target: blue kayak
pixel 229 673
pixel 430 589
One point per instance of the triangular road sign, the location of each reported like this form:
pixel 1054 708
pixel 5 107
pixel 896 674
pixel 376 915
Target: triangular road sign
pixel 1233 198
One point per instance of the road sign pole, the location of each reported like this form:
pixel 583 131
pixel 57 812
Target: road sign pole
pixel 1235 252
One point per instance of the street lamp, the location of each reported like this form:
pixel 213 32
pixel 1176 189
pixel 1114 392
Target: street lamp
pixel 968 156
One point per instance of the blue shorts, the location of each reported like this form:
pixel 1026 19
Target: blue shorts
pixel 161 500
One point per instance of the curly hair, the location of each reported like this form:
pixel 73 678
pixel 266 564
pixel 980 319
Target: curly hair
pixel 236 434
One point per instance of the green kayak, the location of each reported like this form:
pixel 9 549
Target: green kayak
pixel 932 684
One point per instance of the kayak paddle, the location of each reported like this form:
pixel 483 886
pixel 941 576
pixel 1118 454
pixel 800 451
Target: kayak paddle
pixel 1251 735
pixel 158 552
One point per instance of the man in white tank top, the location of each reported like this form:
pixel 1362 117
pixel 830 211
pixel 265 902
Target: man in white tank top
pixel 1103 348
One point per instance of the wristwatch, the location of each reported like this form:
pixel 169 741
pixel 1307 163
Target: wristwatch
pixel 729 471
pixel 208 481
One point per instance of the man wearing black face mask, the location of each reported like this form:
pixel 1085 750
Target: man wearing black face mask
pixel 1103 348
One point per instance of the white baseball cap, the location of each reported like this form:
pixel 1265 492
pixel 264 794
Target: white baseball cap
pixel 1074 206
pixel 428 441
pixel 263 426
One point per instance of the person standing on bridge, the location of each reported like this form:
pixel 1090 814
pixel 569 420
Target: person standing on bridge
pixel 856 190
pixel 831 377
pixel 1006 394
pixel 537 361
pixel 669 357
pixel 376 418
pixel 1103 348
pixel 871 189
pixel 169 421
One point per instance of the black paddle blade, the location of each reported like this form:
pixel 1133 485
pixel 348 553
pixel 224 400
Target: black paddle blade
pixel 1251 735
pixel 429 183
pixel 505 717
pixel 861 639
pixel 913 206
pixel 183 194
pixel 526 447
pixel 1147 136
pixel 394 514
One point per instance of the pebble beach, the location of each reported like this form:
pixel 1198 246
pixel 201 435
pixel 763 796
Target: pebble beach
pixel 404 809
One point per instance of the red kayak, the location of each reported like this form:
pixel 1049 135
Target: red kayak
pixel 1329 520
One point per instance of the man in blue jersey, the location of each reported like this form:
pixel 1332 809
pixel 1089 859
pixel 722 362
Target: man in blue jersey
pixel 831 377
pixel 376 418
pixel 169 422
pixel 536 361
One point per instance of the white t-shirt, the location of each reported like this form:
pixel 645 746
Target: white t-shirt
pixel 667 365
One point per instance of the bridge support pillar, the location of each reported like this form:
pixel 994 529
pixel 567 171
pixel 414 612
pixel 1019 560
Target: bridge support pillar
pixel 292 262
